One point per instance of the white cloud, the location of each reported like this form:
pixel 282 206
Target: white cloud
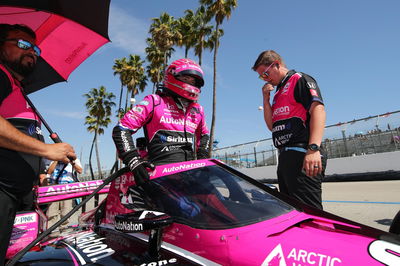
pixel 74 115
pixel 126 31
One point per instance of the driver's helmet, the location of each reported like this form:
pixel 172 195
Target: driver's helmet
pixel 184 67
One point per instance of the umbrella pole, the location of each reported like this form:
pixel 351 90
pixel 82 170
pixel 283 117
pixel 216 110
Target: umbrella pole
pixel 54 136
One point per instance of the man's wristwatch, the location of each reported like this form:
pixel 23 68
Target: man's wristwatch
pixel 313 147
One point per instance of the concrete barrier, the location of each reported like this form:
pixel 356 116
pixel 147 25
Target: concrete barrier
pixel 379 166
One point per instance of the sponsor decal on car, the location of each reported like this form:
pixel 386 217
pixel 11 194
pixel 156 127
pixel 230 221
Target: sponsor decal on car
pixel 128 226
pixel 91 245
pixel 160 262
pixel 22 219
pixel 297 257
pixel 72 187
pixel 182 167
pixel 385 252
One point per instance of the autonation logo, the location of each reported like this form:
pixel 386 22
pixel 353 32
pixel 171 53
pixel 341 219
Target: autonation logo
pixel 128 226
pixel 183 167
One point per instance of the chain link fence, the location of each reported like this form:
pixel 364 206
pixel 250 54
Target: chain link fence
pixel 368 135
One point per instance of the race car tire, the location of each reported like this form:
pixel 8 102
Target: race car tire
pixel 395 226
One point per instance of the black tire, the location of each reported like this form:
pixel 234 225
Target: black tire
pixel 395 226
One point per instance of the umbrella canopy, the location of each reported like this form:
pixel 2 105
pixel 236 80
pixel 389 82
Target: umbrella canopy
pixel 68 32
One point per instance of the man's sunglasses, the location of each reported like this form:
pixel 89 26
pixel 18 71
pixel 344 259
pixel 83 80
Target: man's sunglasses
pixel 265 74
pixel 26 45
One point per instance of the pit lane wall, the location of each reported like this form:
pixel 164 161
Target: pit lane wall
pixel 379 166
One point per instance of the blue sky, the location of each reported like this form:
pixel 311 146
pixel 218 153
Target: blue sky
pixel 350 47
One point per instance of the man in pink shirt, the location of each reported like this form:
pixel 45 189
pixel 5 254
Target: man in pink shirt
pixel 21 140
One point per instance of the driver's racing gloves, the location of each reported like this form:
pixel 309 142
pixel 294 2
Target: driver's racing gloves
pixel 202 150
pixel 126 149
pixel 202 153
pixel 138 167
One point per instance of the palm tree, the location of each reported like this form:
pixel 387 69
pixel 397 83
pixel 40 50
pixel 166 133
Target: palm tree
pixel 202 32
pixel 155 69
pixel 220 9
pixel 154 73
pixel 120 68
pixel 136 78
pixel 156 58
pixel 164 32
pixel 186 27
pixel 98 104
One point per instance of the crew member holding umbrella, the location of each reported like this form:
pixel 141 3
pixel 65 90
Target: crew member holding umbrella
pixel 21 142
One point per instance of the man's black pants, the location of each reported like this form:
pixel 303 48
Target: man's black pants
pixel 8 209
pixel 294 182
pixel 9 205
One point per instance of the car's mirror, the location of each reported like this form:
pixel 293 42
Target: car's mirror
pixel 141 221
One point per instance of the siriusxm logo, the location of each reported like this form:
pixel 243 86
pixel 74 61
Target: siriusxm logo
pixel 179 139
pixel 281 127
pixel 163 138
pixel 278 128
pixel 175 139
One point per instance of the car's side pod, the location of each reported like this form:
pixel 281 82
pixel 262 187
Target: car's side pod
pixel 141 221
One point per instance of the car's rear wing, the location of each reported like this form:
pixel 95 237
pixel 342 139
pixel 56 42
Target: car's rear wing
pixel 69 191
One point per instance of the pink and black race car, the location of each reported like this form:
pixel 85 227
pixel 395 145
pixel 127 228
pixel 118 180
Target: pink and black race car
pixel 206 213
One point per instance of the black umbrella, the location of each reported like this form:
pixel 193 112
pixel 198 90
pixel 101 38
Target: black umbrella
pixel 68 32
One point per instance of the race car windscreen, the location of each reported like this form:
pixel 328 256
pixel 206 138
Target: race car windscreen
pixel 214 198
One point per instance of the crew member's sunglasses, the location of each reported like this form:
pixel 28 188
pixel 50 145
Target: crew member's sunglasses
pixel 265 74
pixel 26 45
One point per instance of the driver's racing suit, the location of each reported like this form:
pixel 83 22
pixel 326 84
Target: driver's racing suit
pixel 169 127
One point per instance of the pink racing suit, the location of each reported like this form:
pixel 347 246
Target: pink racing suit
pixel 170 129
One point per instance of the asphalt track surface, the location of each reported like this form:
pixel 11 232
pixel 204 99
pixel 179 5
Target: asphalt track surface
pixel 373 203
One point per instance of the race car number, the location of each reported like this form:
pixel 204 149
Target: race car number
pixel 385 252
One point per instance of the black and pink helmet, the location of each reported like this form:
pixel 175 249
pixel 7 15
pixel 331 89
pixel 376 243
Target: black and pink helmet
pixel 184 67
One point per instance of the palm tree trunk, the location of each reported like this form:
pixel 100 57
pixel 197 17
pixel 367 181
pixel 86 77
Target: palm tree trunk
pixel 186 51
pixel 200 57
pixel 126 100
pixel 119 115
pixel 214 92
pixel 120 101
pixel 201 49
pixel 98 157
pixel 165 59
pixel 90 158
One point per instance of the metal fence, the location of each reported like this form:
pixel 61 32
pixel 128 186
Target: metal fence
pixel 373 134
